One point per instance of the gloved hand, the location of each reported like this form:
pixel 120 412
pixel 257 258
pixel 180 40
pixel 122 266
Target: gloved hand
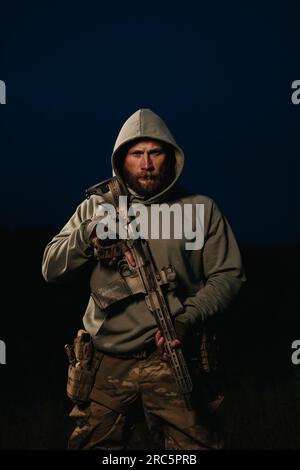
pixel 109 251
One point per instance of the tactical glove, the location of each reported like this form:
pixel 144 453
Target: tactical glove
pixel 109 250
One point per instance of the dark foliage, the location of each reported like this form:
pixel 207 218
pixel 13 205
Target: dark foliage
pixel 262 406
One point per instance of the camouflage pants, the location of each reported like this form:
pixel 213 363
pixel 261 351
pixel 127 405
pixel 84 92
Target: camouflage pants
pixel 119 383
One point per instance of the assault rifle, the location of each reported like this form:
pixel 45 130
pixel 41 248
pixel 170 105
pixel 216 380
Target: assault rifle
pixel 151 279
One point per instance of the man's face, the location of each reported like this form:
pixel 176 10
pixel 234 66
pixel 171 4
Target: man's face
pixel 146 167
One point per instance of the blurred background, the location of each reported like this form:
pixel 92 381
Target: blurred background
pixel 220 75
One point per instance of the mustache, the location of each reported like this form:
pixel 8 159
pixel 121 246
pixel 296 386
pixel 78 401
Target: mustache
pixel 148 174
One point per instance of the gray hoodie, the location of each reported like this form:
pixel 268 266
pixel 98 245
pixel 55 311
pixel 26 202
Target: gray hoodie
pixel 208 278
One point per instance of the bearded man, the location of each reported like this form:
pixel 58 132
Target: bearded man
pixel 134 364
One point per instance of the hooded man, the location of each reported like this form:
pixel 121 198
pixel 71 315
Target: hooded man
pixel 148 161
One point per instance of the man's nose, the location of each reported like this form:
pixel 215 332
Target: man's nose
pixel 146 163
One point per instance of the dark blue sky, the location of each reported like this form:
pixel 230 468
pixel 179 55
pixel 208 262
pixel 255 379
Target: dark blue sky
pixel 219 74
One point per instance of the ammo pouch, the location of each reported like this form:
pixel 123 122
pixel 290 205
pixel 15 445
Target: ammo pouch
pixel 206 371
pixel 204 353
pixel 209 352
pixel 84 362
pixel 130 283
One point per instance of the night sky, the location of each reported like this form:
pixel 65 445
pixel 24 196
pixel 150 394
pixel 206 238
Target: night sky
pixel 218 73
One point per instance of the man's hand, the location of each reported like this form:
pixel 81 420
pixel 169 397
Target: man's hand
pixel 110 251
pixel 130 258
pixel 160 340
pixel 182 327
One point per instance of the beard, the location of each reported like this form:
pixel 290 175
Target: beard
pixel 148 183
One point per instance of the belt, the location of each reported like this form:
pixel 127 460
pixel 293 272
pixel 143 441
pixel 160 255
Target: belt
pixel 142 354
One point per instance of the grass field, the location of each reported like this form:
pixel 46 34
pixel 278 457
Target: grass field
pixel 262 405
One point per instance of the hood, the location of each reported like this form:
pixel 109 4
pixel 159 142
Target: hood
pixel 145 123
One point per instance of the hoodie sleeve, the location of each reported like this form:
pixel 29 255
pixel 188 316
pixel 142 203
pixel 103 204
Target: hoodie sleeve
pixel 71 248
pixel 222 269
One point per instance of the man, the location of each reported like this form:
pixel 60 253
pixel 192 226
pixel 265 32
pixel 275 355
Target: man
pixel 133 362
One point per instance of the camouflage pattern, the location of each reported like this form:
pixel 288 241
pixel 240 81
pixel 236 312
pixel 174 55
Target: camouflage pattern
pixel 102 425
